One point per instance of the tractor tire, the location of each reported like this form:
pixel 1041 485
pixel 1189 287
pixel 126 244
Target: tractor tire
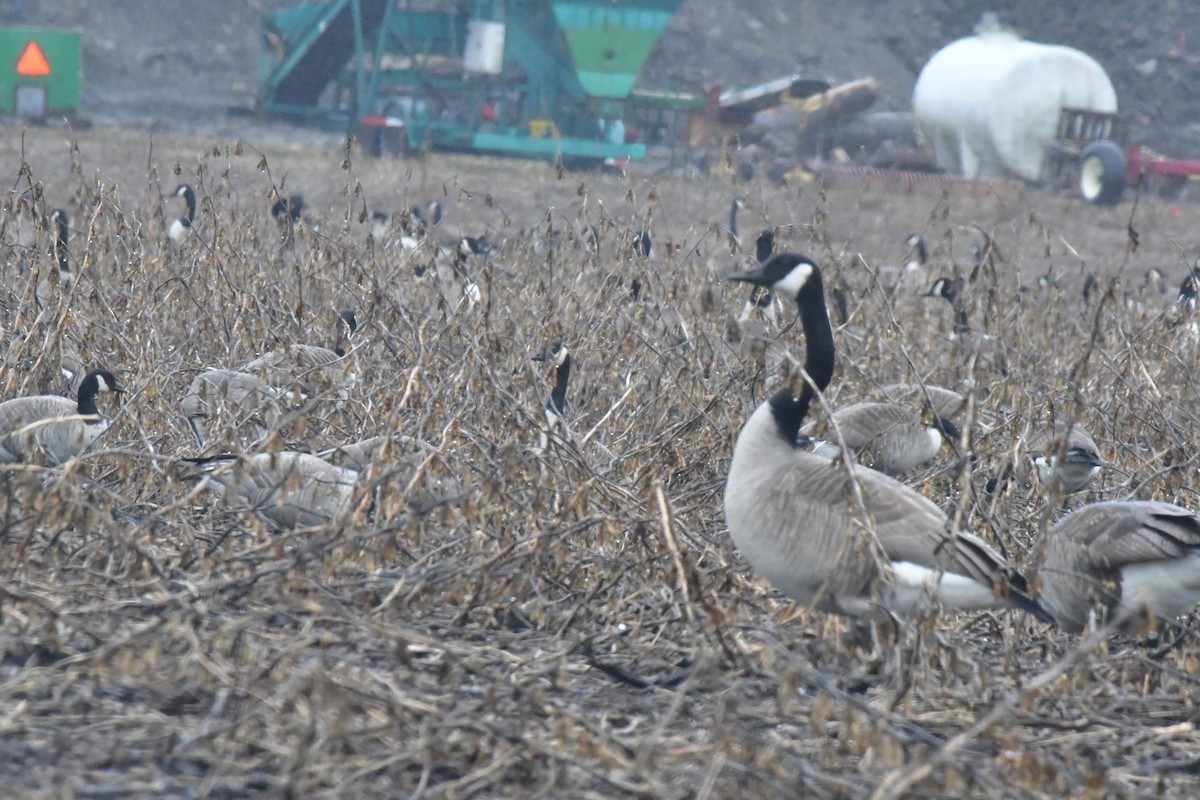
pixel 1102 173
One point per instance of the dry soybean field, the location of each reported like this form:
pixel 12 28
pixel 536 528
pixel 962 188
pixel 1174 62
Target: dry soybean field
pixel 506 611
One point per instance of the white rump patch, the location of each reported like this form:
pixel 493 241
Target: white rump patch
pixel 1167 589
pixel 913 582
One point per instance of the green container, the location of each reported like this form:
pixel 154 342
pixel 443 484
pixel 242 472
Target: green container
pixel 41 71
pixel 609 42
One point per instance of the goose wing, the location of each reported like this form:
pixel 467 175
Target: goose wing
pixel 1118 534
pixel 1047 441
pixel 1135 556
pixel 304 356
pixel 862 423
pixel 287 489
pixel 946 403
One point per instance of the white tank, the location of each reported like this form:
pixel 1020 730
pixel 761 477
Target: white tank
pixel 988 105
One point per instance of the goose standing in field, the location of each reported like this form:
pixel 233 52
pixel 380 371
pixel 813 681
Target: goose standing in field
pixel 236 398
pixel 1187 289
pixel 1135 561
pixel 556 406
pixel 641 249
pixel 181 227
pixel 47 285
pixel 761 298
pixel 792 513
pixel 467 247
pixel 1081 460
pixel 912 272
pixel 950 290
pixel 888 437
pixel 287 490
pixel 287 212
pixel 735 240
pixel 306 364
pixel 589 237
pixel 52 428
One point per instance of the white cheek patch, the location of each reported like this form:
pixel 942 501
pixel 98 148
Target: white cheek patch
pixel 791 284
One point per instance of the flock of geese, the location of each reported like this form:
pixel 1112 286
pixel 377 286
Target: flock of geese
pixel 287 489
pixel 848 539
pixel 816 507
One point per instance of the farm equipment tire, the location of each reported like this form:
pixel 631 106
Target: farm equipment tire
pixel 1102 173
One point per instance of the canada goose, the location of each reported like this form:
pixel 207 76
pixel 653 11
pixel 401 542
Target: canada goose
pixel 950 289
pixel 840 304
pixel 1136 561
pixel 45 288
pixel 920 256
pixel 761 297
pixel 1187 289
pixel 403 456
pixel 420 220
pixel 888 437
pixel 469 246
pixel 1090 285
pixel 287 211
pixel 238 397
pixel 641 248
pixel 791 512
pixel 302 363
pixel 589 237
pixel 556 406
pixel 54 427
pixel 287 489
pixel 897 277
pixel 181 227
pixel 735 241
pixel 412 224
pixel 1080 464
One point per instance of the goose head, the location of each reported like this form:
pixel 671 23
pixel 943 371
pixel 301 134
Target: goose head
pixel 791 275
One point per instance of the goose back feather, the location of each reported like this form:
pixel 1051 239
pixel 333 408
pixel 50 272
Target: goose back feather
pixel 287 489
pixel 1134 560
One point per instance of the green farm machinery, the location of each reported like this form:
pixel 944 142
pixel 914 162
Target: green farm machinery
pixel 539 78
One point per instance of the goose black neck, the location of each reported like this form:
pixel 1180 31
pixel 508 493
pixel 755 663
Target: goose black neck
pixel 764 245
pixel 558 395
pixel 962 325
pixel 789 409
pixel 922 253
pixel 459 264
pixel 733 212
pixel 189 197
pixel 87 398
pixel 61 244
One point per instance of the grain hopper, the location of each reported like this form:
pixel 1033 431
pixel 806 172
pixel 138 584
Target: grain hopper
pixel 552 78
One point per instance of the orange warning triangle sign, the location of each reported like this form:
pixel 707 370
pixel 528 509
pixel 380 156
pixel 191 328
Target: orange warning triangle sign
pixel 33 61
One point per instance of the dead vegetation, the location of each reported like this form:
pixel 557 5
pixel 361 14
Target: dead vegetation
pixel 571 623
